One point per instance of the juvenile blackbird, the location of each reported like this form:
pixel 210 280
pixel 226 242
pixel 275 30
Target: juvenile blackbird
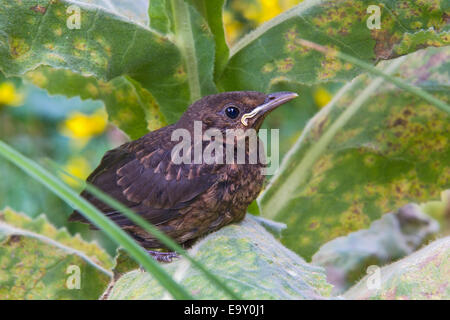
pixel 185 200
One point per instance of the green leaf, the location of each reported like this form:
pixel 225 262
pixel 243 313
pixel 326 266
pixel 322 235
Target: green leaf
pixel 175 69
pixel 424 275
pixel 123 263
pixel 158 13
pixel 253 208
pixel 390 238
pixel 247 257
pixel 418 92
pixel 129 106
pixel 274 53
pixel 439 210
pixel 275 228
pixel 37 261
pixel 373 148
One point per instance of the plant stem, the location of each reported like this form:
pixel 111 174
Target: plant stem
pixel 185 41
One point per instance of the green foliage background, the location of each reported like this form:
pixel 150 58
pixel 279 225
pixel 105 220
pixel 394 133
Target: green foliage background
pixel 371 150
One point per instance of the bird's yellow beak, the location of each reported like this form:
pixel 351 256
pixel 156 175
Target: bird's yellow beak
pixel 273 100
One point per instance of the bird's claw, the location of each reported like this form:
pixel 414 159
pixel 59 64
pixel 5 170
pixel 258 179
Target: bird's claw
pixel 161 256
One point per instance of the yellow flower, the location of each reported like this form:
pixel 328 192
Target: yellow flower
pixel 258 11
pixel 9 96
pixel 232 27
pixel 268 10
pixel 264 10
pixel 322 97
pixel 77 167
pixel 82 126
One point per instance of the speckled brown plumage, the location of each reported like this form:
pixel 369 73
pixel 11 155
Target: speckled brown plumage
pixel 185 201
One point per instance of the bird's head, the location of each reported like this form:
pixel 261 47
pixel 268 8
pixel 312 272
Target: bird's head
pixel 235 110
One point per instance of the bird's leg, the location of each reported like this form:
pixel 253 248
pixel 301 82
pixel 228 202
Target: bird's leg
pixel 161 256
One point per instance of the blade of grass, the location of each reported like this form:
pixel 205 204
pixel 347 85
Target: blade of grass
pixel 118 235
pixel 398 82
pixel 148 227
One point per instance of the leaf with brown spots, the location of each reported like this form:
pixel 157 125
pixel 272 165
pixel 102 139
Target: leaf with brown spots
pixel 37 261
pixel 113 40
pixel 38 8
pixel 273 51
pixel 245 255
pixel 373 149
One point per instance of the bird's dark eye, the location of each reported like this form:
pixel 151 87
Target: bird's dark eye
pixel 232 112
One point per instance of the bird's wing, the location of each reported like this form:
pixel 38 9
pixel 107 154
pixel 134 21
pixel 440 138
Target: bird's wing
pixel 147 181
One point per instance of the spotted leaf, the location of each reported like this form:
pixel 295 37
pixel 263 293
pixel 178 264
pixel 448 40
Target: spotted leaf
pixel 105 40
pixel 273 51
pixel 38 261
pixel 251 261
pixel 372 149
